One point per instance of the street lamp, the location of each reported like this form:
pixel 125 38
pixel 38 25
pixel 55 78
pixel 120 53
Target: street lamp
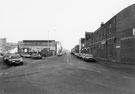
pixel 48 44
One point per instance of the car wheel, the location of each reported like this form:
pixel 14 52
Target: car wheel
pixel 10 64
pixel 21 63
pixel 94 60
pixel 87 60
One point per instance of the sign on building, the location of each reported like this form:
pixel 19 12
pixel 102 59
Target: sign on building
pixel 117 46
pixel 133 31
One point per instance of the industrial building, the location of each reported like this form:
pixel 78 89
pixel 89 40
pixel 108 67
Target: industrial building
pixel 46 47
pixel 114 40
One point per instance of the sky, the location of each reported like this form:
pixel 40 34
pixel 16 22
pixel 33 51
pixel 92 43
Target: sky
pixel 61 20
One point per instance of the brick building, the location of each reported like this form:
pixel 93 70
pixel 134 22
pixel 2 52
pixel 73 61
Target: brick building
pixel 115 40
pixel 81 45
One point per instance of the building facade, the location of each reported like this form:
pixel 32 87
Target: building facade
pixel 115 40
pixel 81 45
pixel 41 46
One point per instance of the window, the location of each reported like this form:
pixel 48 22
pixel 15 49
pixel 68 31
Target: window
pixel 109 29
pixel 104 31
pixel 110 26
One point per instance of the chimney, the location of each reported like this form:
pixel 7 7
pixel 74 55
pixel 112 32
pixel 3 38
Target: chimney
pixel 102 24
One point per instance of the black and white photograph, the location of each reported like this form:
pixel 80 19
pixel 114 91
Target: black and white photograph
pixel 67 47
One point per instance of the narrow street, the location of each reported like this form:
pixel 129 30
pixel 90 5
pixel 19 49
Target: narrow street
pixel 65 75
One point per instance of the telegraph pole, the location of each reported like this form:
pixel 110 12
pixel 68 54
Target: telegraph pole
pixel 48 44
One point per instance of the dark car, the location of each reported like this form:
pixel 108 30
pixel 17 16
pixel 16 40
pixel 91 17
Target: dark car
pixel 36 56
pixel 5 57
pixel 13 59
pixel 89 57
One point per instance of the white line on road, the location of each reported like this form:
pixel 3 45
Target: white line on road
pixel 6 73
pixel 70 63
pixel 128 77
pixel 67 60
pixel 78 62
pixel 1 73
pixel 90 69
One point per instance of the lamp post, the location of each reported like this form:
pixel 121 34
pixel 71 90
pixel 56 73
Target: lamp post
pixel 49 41
pixel 48 44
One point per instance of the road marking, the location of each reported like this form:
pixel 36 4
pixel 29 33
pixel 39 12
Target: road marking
pixel 1 73
pixel 90 69
pixel 128 77
pixel 70 63
pixel 6 73
pixel 67 60
pixel 79 62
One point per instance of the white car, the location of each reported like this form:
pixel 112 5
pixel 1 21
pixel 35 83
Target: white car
pixel 26 55
pixel 59 54
pixel 83 56
pixel 89 57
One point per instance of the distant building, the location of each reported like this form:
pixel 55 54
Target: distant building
pixel 76 48
pixel 6 46
pixel 81 45
pixel 40 46
pixel 2 44
pixel 10 46
pixel 88 41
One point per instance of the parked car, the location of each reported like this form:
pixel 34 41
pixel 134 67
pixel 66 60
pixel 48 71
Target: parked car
pixel 1 54
pixel 25 55
pixel 36 56
pixel 5 57
pixel 13 59
pixel 89 57
pixel 80 56
pixel 59 54
pixel 77 54
pixel 83 56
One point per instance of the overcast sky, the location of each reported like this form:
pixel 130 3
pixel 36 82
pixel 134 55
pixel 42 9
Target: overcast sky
pixel 62 20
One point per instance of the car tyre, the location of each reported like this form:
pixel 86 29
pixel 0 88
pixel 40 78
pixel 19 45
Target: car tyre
pixel 94 60
pixel 21 63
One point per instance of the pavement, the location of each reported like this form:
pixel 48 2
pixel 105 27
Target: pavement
pixel 118 65
pixel 2 65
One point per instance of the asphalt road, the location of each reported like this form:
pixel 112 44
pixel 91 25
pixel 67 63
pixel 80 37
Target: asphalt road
pixel 65 75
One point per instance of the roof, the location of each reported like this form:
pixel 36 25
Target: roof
pixel 38 40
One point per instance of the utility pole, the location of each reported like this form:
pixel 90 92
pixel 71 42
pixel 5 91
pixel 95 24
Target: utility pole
pixel 48 44
pixel 106 45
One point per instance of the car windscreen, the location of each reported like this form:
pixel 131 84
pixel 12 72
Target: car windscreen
pixel 14 57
